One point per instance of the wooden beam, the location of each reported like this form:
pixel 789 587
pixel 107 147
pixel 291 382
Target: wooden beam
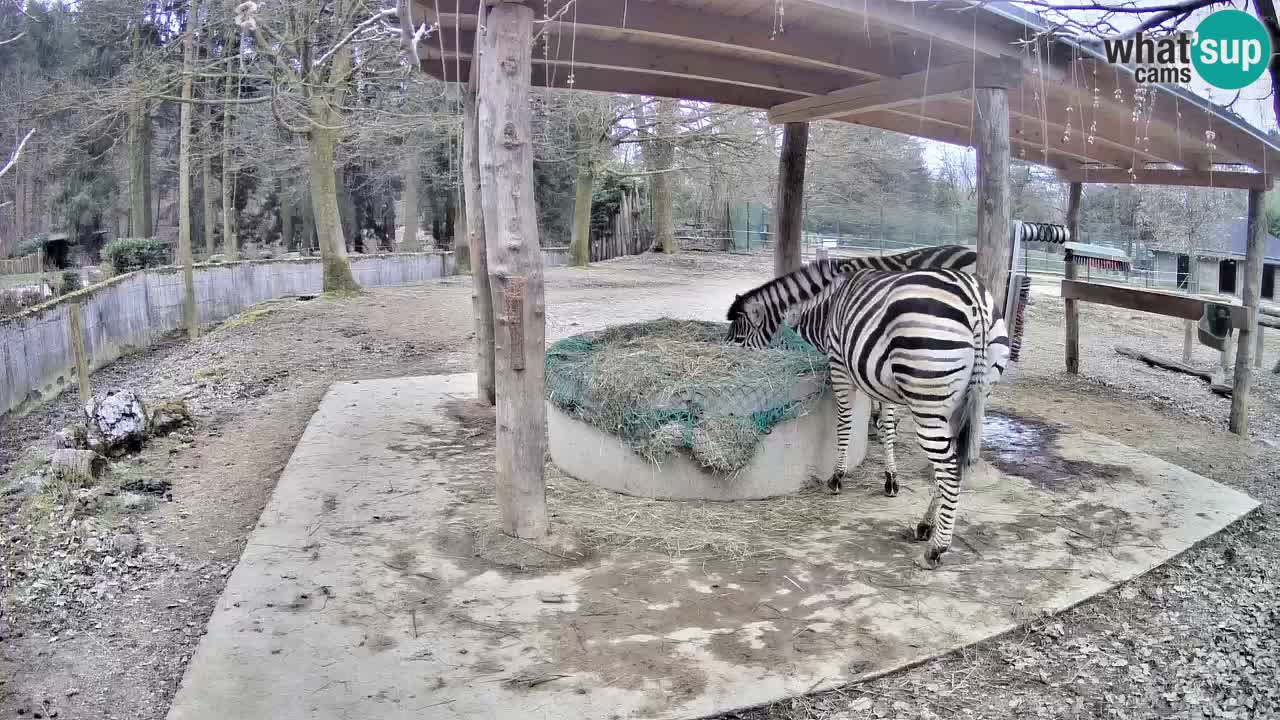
pixel 913 89
pixel 515 268
pixel 1144 300
pixel 481 293
pixel 1074 197
pixel 695 27
pixel 664 57
pixel 1251 298
pixel 1193 178
pixel 627 82
pixel 790 218
pixel 992 145
pixel 949 26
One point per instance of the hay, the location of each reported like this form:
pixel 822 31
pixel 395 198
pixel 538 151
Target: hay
pixel 675 386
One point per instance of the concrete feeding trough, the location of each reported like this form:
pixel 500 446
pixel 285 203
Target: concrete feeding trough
pixel 666 410
pixel 792 454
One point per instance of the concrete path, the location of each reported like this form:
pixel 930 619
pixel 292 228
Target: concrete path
pixel 361 594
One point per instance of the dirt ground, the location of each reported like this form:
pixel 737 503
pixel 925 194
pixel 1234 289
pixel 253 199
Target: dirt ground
pixel 92 628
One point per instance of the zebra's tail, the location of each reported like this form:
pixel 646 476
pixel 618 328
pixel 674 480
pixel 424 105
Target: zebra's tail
pixel 967 419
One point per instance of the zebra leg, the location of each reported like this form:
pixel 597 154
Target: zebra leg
pixel 887 428
pixel 939 444
pixel 844 426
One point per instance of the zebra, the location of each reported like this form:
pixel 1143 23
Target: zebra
pixel 811 325
pixel 931 340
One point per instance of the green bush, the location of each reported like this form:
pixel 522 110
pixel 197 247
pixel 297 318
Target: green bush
pixel 70 282
pixel 129 254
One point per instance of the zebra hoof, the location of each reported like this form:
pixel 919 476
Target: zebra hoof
pixel 924 531
pixel 890 484
pixel 833 483
pixel 933 556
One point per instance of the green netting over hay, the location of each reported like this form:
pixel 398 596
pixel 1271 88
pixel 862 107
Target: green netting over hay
pixel 676 385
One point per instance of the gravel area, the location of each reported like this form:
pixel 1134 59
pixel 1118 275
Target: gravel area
pixel 92 626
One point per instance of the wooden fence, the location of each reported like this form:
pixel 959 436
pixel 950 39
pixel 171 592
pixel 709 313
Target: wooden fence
pixel 32 263
pixel 628 234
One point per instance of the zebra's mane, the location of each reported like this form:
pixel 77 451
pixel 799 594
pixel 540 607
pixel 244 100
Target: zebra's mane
pixel 814 283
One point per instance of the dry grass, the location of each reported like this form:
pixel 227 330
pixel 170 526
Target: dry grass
pixel 673 385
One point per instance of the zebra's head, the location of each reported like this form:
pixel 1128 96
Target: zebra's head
pixel 750 323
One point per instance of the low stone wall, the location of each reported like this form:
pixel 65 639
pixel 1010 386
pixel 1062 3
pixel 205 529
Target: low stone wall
pixel 135 310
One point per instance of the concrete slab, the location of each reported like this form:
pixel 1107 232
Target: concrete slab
pixel 362 593
pixel 793 454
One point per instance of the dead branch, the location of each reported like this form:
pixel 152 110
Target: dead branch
pixel 15 38
pixel 17 153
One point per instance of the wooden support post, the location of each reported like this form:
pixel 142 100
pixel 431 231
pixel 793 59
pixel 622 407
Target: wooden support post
pixel 992 143
pixel 1257 351
pixel 1251 298
pixel 481 294
pixel 515 267
pixel 1075 194
pixel 1188 339
pixel 786 249
pixel 75 334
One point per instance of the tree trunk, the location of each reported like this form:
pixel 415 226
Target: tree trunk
pixel 409 243
pixel 286 223
pixel 206 191
pixel 1251 298
pixel 515 268
pixel 663 218
pixel 230 244
pixel 580 239
pixel 184 175
pixel 139 173
pixel 481 294
pixel 790 208
pixel 992 144
pixel 321 142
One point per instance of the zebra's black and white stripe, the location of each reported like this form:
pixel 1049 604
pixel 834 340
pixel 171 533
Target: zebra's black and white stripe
pixel 930 340
pixel 811 325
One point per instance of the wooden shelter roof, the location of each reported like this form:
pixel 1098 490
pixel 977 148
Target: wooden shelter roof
pixel 903 66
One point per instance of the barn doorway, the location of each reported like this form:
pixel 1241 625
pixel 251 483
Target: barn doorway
pixel 1269 282
pixel 1184 271
pixel 1227 277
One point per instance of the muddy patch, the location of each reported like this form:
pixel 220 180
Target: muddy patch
pixel 1024 446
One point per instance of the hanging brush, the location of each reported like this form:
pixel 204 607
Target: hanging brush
pixel 1018 321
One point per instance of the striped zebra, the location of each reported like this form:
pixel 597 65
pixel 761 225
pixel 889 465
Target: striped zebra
pixel 811 325
pixel 933 341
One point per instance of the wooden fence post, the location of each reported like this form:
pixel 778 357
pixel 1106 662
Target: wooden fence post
pixel 1257 353
pixel 1188 339
pixel 991 137
pixel 1251 298
pixel 76 336
pixel 786 249
pixel 515 267
pixel 1074 197
pixel 481 294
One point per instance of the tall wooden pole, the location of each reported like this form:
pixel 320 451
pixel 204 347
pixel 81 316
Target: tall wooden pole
pixel 515 266
pixel 1074 197
pixel 481 295
pixel 786 249
pixel 1250 297
pixel 991 137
